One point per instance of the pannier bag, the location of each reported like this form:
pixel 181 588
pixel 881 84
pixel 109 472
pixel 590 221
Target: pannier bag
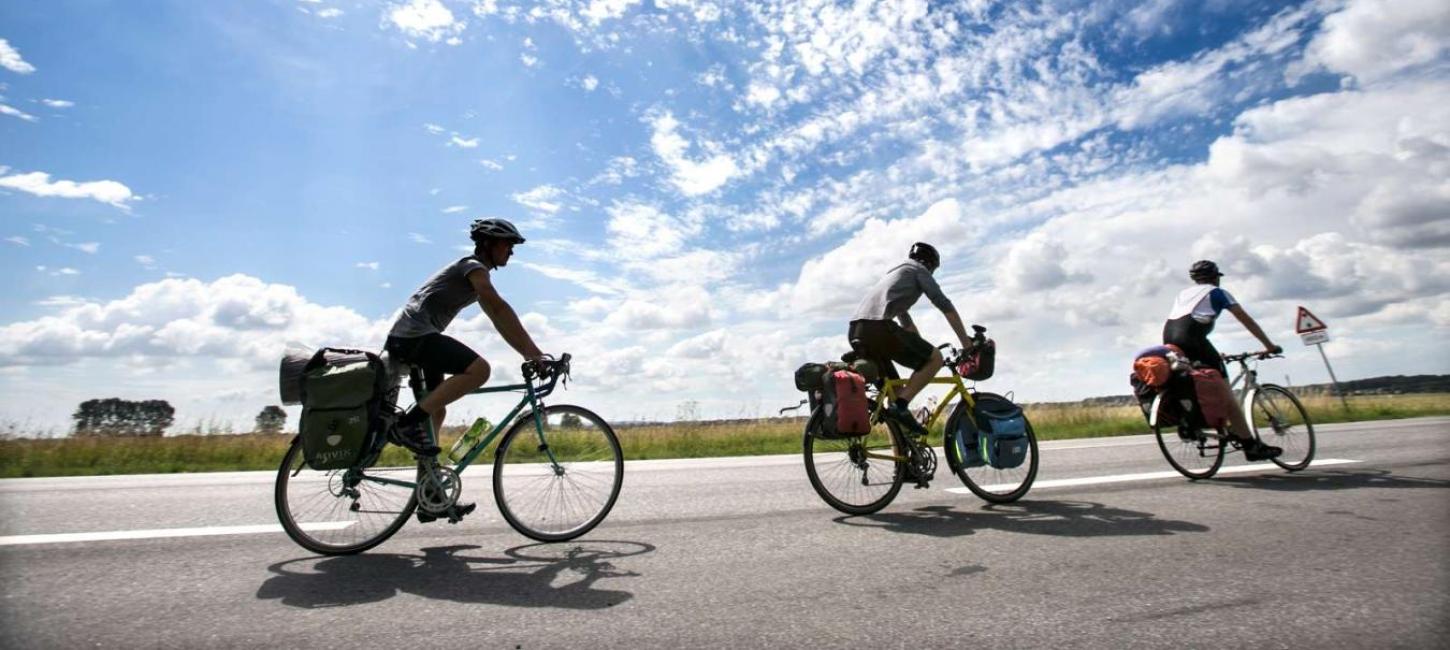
pixel 809 376
pixel 1002 440
pixel 289 375
pixel 1215 397
pixel 845 411
pixel 980 362
pixel 969 452
pixel 342 394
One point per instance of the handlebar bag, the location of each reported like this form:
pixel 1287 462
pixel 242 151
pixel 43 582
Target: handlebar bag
pixel 845 411
pixel 1003 439
pixel 980 362
pixel 342 394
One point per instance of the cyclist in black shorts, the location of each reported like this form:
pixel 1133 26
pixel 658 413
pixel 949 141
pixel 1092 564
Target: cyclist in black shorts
pixel 874 334
pixel 417 336
pixel 1194 313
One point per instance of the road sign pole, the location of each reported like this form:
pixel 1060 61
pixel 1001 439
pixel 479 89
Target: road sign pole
pixel 1332 378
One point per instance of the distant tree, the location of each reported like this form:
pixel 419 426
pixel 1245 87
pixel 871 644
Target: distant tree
pixel 570 421
pixel 687 411
pixel 271 419
pixel 118 417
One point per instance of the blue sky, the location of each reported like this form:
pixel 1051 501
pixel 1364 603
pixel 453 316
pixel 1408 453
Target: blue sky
pixel 707 187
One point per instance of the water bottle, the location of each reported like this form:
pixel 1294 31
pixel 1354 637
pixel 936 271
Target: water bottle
pixel 466 441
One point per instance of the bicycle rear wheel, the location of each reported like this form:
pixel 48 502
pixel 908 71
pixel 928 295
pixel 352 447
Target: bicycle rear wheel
pixel 1191 450
pixel 341 512
pixel 557 485
pixel 846 473
pixel 992 484
pixel 1280 420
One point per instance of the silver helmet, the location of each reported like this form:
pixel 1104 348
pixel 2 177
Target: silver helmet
pixel 485 229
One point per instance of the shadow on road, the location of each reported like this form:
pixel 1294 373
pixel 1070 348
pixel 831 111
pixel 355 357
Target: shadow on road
pixel 535 575
pixel 1331 480
pixel 1060 518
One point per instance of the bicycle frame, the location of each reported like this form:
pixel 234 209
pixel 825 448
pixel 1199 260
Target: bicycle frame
pixel 888 393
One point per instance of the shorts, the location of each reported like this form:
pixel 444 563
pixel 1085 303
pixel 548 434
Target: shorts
pixel 435 354
pixel 884 340
pixel 1192 337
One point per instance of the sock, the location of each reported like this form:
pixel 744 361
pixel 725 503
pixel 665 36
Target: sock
pixel 414 415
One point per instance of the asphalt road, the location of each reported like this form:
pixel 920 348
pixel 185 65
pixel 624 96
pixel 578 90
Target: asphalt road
pixel 734 552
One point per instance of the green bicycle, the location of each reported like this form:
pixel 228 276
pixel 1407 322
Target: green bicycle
pixel 557 472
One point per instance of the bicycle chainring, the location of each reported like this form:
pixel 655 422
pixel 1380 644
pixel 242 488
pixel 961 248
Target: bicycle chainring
pixel 438 489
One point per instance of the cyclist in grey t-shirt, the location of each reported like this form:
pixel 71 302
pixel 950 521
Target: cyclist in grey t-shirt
pixel 873 333
pixel 417 336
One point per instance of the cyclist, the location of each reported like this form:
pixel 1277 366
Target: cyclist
pixel 417 336
pixel 874 334
pixel 1188 326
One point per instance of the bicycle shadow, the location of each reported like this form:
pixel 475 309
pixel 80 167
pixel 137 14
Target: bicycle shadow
pixel 1057 518
pixel 534 575
pixel 1314 479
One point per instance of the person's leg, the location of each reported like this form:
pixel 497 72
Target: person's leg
pixel 473 376
pixel 922 376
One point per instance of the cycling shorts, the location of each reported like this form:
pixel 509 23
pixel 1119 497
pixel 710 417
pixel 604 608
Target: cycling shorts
pixel 1192 337
pixel 435 354
pixel 884 340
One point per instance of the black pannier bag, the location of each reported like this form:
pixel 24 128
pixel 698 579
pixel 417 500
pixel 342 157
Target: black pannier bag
pixel 342 402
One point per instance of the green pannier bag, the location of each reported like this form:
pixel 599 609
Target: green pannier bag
pixel 342 393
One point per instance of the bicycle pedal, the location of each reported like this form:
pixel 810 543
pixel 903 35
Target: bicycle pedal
pixel 425 517
pixel 456 513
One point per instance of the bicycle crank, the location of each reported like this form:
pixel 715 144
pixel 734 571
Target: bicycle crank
pixel 438 488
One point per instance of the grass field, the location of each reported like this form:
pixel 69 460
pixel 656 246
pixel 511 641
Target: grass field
pixel 210 453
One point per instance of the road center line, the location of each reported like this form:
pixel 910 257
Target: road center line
pixel 59 538
pixel 1150 476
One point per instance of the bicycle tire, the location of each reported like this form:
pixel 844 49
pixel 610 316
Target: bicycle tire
pixel 321 511
pixel 984 480
pixel 586 455
pixel 1296 444
pixel 1172 444
pixel 843 472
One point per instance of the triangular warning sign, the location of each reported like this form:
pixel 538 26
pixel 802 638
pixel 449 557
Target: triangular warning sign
pixel 1307 322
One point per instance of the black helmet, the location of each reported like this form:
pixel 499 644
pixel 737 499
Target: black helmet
pixel 486 229
pixel 926 254
pixel 1204 271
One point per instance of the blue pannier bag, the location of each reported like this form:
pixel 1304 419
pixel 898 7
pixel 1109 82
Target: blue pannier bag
pixel 965 439
pixel 1002 440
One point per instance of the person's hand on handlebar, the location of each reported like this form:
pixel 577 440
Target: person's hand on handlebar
pixel 1273 348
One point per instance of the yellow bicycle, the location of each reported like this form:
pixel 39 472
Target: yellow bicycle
pixel 860 475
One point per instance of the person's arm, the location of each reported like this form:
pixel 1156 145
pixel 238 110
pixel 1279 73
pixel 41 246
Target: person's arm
pixel 955 321
pixel 503 316
pixel 1253 327
pixel 934 293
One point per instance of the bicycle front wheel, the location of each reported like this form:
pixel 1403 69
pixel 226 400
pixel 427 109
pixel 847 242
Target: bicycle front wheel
pixel 857 476
pixel 558 483
pixel 992 484
pixel 341 512
pixel 1280 420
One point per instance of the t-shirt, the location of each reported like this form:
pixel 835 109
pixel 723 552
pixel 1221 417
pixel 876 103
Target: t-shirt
pixel 1204 302
pixel 435 304
pixel 898 290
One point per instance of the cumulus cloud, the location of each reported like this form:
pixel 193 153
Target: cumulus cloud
pixel 11 60
pixel 57 103
pixel 429 20
pixel 1373 39
pixel 691 176
pixel 544 198
pixel 109 192
pixel 17 113
pixel 462 142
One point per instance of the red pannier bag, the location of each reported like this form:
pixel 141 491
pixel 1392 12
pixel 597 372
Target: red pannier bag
pixel 845 412
pixel 1215 397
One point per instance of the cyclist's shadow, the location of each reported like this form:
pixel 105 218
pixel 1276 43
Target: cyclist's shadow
pixel 1059 518
pixel 1331 480
pixel 535 575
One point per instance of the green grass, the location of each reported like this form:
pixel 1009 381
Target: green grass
pixel 251 451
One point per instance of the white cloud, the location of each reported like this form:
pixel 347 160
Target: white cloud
pixel 1372 39
pixel 10 59
pixel 57 103
pixel 601 10
pixel 18 240
pixel 455 209
pixel 330 12
pixel 642 231
pixel 371 266
pixel 589 83
pixel 38 183
pixel 528 60
pixel 426 19
pixel 692 177
pixel 90 248
pixel 434 128
pixel 15 112
pixel 544 198
pixel 463 143
pixel 491 164
pixel 146 261
pixel 419 238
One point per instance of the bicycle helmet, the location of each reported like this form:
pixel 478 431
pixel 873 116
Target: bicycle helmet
pixel 486 229
pixel 926 254
pixel 1204 271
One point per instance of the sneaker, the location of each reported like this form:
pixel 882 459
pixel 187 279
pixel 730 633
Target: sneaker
pixel 414 438
pixel 1257 450
pixel 454 514
pixel 904 417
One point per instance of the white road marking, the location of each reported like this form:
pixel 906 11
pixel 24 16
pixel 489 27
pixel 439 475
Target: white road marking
pixel 58 538
pixel 1149 476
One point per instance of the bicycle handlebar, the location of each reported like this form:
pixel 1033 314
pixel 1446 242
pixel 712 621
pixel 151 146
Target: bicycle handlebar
pixel 547 368
pixel 1244 356
pixel 979 337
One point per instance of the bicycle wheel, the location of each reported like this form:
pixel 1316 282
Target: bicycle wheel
pixel 340 512
pixel 1280 420
pixel 996 485
pixel 1191 450
pixel 845 476
pixel 557 486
